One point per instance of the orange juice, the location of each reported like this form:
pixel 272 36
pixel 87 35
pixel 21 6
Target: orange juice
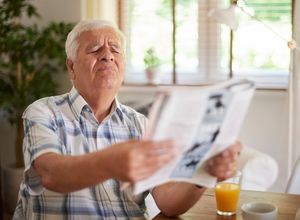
pixel 227 195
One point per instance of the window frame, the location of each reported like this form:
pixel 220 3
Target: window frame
pixel 271 82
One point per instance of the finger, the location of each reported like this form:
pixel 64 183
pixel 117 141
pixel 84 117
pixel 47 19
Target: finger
pixel 223 172
pixel 154 149
pixel 230 152
pixel 143 173
pixel 239 145
pixel 220 161
pixel 226 175
pixel 155 162
pixel 152 164
pixel 224 154
pixel 150 159
pixel 162 146
pixel 155 156
pixel 231 156
pixel 222 168
pixel 225 168
pixel 159 144
pixel 224 160
pixel 234 149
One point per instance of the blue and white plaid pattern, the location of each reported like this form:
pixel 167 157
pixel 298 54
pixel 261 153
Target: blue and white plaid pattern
pixel 66 125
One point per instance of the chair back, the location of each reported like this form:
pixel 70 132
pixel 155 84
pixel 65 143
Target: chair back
pixel 293 186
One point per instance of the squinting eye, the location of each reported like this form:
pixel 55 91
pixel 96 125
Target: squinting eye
pixel 93 50
pixel 116 51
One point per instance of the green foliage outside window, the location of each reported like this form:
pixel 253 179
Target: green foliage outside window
pixel 151 60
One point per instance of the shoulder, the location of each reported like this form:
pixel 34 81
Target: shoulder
pixel 44 106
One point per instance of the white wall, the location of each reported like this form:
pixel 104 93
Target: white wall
pixel 266 128
pixel 56 10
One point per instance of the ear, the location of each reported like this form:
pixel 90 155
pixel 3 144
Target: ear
pixel 70 67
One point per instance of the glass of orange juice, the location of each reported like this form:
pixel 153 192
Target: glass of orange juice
pixel 227 195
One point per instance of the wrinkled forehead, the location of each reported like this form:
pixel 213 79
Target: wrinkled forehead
pixel 99 36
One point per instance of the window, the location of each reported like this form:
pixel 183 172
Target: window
pixel 259 53
pixel 198 50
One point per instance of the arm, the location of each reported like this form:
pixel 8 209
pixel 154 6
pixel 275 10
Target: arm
pixel 65 174
pixel 47 164
pixel 128 161
pixel 175 198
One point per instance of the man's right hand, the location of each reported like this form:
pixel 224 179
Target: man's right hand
pixel 137 159
pixel 128 161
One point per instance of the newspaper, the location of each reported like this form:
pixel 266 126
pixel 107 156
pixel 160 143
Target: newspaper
pixel 203 121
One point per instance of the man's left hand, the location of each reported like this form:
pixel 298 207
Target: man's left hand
pixel 224 165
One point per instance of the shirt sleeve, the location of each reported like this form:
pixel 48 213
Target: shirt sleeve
pixel 40 137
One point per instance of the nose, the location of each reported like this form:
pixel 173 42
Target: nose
pixel 106 55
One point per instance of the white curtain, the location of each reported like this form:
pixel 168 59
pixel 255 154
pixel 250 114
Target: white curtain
pixel 294 92
pixel 99 9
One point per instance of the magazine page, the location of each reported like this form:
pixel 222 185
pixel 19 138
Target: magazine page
pixel 203 121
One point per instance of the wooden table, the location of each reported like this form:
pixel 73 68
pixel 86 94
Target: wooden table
pixel 205 209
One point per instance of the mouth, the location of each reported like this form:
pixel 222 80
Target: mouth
pixel 106 69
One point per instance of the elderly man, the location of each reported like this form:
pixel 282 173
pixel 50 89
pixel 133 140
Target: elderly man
pixel 79 146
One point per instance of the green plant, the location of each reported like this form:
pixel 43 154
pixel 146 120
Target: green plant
pixel 151 60
pixel 29 58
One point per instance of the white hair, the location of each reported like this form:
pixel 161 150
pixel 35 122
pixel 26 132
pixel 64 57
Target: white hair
pixel 71 44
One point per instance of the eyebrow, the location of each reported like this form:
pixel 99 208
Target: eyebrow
pixel 98 45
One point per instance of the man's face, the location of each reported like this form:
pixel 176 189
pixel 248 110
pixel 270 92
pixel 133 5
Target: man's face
pixel 99 64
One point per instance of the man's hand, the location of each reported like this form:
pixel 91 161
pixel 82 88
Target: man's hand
pixel 224 165
pixel 136 160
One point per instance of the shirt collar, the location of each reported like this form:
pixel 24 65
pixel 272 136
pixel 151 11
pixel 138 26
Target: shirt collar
pixel 115 109
pixel 77 102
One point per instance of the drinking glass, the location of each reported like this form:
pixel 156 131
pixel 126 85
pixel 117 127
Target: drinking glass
pixel 227 194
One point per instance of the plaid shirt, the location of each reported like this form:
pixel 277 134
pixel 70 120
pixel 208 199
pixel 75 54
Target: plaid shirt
pixel 66 125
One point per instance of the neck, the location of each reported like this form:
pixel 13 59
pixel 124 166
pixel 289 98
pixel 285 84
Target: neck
pixel 100 103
